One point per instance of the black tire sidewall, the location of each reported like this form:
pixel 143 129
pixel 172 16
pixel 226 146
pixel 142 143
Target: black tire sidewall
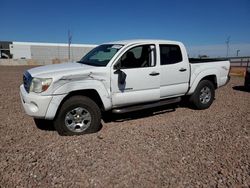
pixel 70 104
pixel 195 98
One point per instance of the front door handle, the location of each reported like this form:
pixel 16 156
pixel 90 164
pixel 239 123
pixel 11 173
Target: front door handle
pixel 154 73
pixel 182 69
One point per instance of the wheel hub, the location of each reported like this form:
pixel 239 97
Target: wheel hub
pixel 205 95
pixel 78 119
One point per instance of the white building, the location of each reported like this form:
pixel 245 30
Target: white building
pixel 46 52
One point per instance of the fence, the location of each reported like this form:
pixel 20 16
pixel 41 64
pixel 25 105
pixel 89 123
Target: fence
pixel 240 61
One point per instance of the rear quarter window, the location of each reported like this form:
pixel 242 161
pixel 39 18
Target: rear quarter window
pixel 170 54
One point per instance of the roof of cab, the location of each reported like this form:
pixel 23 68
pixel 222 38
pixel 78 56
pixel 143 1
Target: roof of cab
pixel 138 41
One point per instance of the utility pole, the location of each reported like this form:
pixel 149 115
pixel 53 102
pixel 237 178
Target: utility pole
pixel 69 42
pixel 227 43
pixel 237 53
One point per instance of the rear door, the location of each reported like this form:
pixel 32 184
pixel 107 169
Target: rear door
pixel 142 83
pixel 174 71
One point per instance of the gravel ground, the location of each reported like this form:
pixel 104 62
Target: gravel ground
pixel 165 148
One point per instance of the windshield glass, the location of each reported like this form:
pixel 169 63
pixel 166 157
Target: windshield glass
pixel 101 55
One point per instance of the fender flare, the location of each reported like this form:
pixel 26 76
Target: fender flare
pixel 196 80
pixel 63 91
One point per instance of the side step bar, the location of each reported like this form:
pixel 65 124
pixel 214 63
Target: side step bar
pixel 146 106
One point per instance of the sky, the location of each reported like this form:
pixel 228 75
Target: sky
pixel 197 23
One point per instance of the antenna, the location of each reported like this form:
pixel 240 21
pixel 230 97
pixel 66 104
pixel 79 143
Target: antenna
pixel 69 42
pixel 227 43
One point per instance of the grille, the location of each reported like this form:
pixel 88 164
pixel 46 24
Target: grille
pixel 27 78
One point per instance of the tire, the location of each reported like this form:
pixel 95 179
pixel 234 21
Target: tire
pixel 78 115
pixel 203 96
pixel 44 124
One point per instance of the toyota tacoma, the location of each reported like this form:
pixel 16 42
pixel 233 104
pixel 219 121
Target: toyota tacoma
pixel 119 77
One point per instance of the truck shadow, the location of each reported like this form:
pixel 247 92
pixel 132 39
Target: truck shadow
pixel 45 125
pixel 108 117
pixel 241 88
pixel 111 117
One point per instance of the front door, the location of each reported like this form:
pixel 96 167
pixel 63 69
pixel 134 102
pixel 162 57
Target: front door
pixel 135 77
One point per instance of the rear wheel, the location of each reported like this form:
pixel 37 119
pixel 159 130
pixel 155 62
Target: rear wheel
pixel 78 115
pixel 203 95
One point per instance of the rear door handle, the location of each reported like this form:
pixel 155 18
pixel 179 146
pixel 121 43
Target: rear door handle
pixel 154 73
pixel 182 69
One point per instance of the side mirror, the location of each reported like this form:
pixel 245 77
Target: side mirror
pixel 117 66
pixel 121 75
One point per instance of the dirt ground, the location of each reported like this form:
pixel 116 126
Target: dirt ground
pixel 238 71
pixel 164 147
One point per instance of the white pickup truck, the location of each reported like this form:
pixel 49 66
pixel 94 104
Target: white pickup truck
pixel 120 77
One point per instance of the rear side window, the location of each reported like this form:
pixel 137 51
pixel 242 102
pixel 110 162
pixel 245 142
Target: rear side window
pixel 170 54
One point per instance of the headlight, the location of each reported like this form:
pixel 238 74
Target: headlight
pixel 39 85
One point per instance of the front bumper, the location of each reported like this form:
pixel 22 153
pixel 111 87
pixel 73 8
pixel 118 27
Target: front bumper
pixel 34 105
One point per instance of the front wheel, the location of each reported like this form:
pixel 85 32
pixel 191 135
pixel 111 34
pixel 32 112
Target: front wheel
pixel 203 96
pixel 78 115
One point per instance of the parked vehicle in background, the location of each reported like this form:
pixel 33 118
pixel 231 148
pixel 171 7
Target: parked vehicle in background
pixel 247 79
pixel 120 77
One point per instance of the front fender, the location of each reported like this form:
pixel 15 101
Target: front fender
pixel 61 92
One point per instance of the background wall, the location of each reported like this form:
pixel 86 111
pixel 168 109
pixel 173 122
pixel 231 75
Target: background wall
pixel 44 53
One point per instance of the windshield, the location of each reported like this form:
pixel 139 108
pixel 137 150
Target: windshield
pixel 101 55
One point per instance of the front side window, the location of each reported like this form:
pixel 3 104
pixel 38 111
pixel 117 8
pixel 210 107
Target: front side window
pixel 138 57
pixel 101 55
pixel 170 54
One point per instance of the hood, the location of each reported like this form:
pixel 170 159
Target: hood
pixel 58 70
pixel 69 72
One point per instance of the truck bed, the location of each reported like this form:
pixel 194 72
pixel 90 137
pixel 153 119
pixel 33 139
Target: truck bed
pixel 219 68
pixel 207 60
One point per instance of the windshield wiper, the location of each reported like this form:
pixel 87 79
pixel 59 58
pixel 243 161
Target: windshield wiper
pixel 84 62
pixel 91 64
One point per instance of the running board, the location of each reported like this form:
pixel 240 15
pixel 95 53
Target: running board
pixel 146 106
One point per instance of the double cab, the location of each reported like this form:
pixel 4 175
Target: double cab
pixel 119 77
